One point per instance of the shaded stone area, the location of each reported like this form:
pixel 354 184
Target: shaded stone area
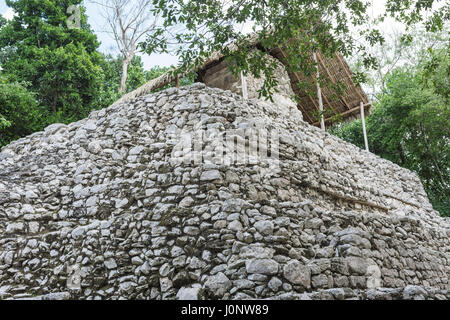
pixel 219 76
pixel 99 209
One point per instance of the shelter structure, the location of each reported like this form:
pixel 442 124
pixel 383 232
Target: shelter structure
pixel 321 108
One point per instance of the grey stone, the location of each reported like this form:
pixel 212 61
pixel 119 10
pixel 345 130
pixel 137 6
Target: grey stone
pixel 8 258
pixel 262 266
pixel 269 211
pixel 235 226
pixel 165 284
pixel 15 227
pixel 412 292
pixel 90 126
pixel 192 231
pixel 95 147
pixel 164 270
pixel 30 194
pixel 185 293
pixel 264 227
pixel 110 263
pixel 218 284
pixel 121 203
pixel 187 202
pixel 243 284
pixel 210 175
pixel 136 150
pixel 320 281
pixel 357 265
pixel 275 284
pixel 27 209
pixel 137 261
pixel 78 232
pixel 297 273
pixel 256 251
pixel 314 223
pixel 127 287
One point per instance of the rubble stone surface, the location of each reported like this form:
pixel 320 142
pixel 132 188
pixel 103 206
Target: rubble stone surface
pixel 102 209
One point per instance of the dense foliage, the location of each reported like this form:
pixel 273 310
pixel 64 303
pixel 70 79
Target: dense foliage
pixel 194 29
pixel 61 64
pixel 19 112
pixel 112 74
pixel 410 125
pixel 52 73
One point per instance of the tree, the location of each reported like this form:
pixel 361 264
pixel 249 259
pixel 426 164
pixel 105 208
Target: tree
pixel 411 124
pixel 61 64
pixel 300 26
pixel 19 112
pixel 137 76
pixel 397 51
pixel 112 70
pixel 128 22
pixel 157 71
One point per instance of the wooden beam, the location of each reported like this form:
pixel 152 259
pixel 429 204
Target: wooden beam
pixel 326 99
pixel 244 86
pixel 304 111
pixel 309 96
pixel 299 80
pixel 363 119
pixel 319 93
pixel 332 79
pixel 311 120
pixel 350 76
pixel 329 104
pixel 345 113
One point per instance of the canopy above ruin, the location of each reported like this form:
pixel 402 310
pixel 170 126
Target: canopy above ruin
pixel 342 106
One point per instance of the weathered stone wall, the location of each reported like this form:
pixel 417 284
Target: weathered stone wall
pixel 103 200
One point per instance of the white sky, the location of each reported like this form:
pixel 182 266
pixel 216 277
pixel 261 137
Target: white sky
pixel 8 14
pixel 108 45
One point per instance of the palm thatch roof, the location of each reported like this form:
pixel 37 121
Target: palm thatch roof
pixel 341 96
pixel 339 104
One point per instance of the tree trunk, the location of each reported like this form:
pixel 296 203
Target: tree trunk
pixel 401 153
pixel 123 82
pixel 55 102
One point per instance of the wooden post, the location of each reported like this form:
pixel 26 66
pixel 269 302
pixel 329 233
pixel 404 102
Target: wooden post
pixel 319 94
pixel 244 86
pixel 177 82
pixel 366 143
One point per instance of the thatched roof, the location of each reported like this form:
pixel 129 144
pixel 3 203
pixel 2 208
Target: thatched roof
pixel 337 72
pixel 345 104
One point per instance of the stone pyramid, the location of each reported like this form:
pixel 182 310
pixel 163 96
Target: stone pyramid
pixel 171 196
